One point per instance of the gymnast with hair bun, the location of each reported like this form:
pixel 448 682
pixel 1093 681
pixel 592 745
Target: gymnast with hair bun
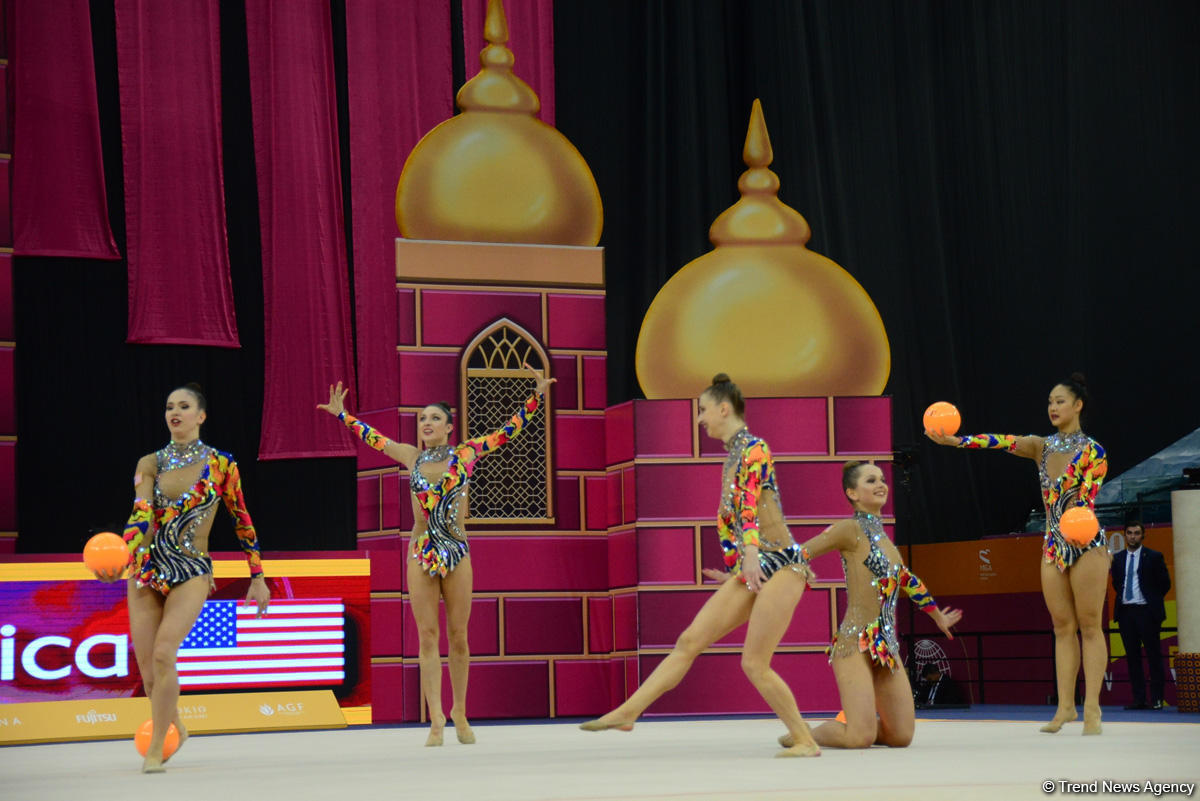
pixel 766 575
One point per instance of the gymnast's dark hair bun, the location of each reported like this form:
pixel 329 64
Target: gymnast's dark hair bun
pixel 196 390
pixel 1077 385
pixel 723 389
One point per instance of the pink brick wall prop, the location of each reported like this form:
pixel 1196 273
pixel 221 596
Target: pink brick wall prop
pixel 6 206
pixel 564 393
pixel 505 690
pixel 666 556
pixel 7 331
pixel 596 491
pixel 791 426
pixel 622 558
pixel 387 570
pixel 717 685
pixel 625 621
pixel 454 318
pixel 576 321
pixel 678 491
pixel 8 486
pixel 812 489
pixel 8 394
pixel 387 692
pixel 368 503
pixel 618 434
pixel 664 615
pixel 629 510
pixel 543 626
pixel 664 428
pixel 862 425
pixel 600 624
pixel 388 616
pixel 582 687
pixel 397 503
pixel 406 314
pixel 427 378
pixel 540 562
pixel 595 382
pixel 578 441
pixel 566 503
pixel 615 490
pixel 483 628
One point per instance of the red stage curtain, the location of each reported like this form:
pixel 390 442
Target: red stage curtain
pixel 530 37
pixel 306 300
pixel 400 78
pixel 169 66
pixel 58 202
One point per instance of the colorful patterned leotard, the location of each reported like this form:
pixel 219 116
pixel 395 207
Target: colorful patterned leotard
pixel 1077 486
pixel 746 479
pixel 161 538
pixel 442 544
pixel 872 589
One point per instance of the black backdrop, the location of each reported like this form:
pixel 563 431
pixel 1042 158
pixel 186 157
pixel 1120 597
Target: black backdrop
pixel 1012 182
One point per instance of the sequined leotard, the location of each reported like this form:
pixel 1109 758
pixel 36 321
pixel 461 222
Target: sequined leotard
pixel 875 575
pixel 161 537
pixel 750 513
pixel 1077 486
pixel 442 544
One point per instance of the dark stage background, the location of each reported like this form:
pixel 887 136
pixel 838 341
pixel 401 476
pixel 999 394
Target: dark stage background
pixel 1010 181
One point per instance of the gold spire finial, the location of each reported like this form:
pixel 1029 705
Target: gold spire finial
pixel 495 87
pixel 760 217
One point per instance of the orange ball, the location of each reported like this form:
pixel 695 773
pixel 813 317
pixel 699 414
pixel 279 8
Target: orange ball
pixel 841 716
pixel 1079 525
pixel 942 417
pixel 104 552
pixel 141 740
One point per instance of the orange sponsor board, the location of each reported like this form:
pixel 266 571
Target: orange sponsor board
pixel 1007 564
pixel 114 718
pixel 980 567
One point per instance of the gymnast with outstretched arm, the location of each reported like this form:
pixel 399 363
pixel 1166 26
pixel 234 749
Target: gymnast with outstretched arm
pixel 439 563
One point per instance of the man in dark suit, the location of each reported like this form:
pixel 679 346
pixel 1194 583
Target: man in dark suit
pixel 1140 579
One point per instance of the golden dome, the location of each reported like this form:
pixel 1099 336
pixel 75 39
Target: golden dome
pixel 496 173
pixel 779 318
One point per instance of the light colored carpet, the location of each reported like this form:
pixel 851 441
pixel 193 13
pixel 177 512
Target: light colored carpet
pixel 676 760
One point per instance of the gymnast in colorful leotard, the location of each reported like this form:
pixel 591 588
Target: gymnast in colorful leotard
pixel 439 564
pixel 1071 467
pixel 177 492
pixel 764 580
pixel 865 654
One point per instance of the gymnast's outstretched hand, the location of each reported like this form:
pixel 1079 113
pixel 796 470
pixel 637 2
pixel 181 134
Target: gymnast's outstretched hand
pixel 946 618
pixel 543 383
pixel 337 397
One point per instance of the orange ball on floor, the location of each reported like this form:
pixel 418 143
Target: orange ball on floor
pixel 141 740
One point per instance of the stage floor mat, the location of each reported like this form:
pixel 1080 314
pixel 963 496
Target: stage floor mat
pixel 675 759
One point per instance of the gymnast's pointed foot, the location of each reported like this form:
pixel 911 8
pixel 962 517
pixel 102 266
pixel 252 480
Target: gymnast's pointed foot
pixel 462 729
pixel 436 727
pixel 1061 717
pixel 1091 719
pixel 605 723
pixel 799 744
pixel 153 765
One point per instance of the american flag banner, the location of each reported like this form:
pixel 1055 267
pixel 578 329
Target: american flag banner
pixel 299 642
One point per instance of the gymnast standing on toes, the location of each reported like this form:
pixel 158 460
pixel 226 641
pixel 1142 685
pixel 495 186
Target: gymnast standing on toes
pixel 177 491
pixel 439 564
pixel 1071 466
pixel 765 580
pixel 865 654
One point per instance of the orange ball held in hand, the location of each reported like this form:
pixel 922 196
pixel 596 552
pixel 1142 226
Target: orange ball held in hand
pixel 1079 525
pixel 104 552
pixel 141 740
pixel 942 418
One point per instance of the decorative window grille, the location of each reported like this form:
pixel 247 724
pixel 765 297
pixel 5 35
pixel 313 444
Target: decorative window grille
pixel 511 485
